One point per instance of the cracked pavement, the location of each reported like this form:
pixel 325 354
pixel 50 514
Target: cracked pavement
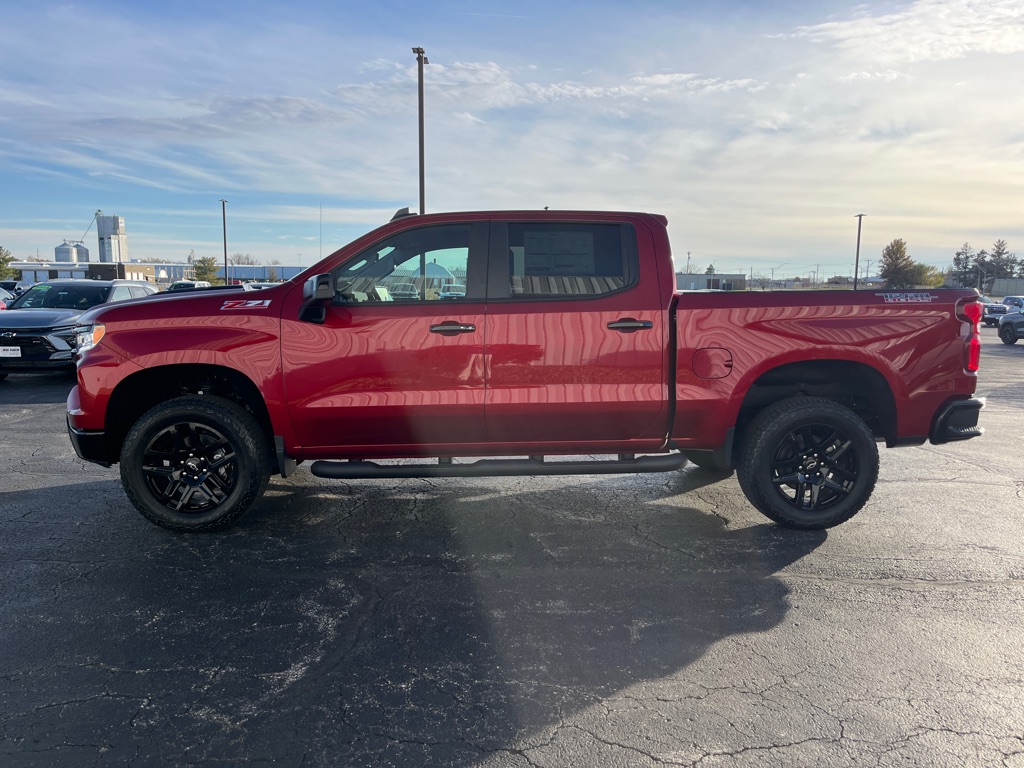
pixel 650 620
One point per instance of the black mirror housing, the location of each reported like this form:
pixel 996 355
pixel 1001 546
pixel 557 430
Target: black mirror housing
pixel 318 288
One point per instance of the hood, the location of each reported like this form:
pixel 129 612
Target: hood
pixel 38 318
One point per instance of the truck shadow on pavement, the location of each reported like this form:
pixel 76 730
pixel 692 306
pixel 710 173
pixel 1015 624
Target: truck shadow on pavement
pixel 408 623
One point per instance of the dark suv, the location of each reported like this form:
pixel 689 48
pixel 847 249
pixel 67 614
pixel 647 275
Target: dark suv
pixel 37 330
pixel 1011 325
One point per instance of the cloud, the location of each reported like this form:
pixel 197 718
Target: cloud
pixel 927 30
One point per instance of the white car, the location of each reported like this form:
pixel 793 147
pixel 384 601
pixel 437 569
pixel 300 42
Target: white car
pixel 187 285
pixel 452 291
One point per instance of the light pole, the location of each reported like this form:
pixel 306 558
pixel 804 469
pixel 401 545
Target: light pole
pixel 773 272
pixel 856 262
pixel 421 59
pixel 224 220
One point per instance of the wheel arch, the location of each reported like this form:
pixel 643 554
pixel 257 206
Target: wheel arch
pixel 139 392
pixel 855 385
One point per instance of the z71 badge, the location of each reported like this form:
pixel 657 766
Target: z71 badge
pixel 245 304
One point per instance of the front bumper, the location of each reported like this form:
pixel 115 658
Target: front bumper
pixel 958 420
pixel 17 365
pixel 89 445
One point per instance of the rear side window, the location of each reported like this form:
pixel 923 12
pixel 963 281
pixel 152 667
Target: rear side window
pixel 560 260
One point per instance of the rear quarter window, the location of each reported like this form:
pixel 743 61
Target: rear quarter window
pixel 560 260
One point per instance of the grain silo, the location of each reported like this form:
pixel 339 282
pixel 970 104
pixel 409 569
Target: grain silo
pixel 71 251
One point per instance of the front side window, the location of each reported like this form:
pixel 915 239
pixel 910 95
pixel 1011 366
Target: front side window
pixel 556 260
pixel 428 264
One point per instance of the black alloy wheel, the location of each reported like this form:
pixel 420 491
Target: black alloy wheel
pixel 1007 333
pixel 194 463
pixel 808 463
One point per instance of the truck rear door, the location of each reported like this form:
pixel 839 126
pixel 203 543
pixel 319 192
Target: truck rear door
pixel 576 335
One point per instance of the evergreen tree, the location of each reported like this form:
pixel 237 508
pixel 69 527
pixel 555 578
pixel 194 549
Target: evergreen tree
pixel 897 268
pixel 963 267
pixel 206 268
pixel 1002 262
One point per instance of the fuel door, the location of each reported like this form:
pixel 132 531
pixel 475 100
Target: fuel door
pixel 712 363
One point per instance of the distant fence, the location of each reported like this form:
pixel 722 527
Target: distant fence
pixel 1008 286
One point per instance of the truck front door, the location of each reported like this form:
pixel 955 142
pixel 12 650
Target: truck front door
pixel 394 365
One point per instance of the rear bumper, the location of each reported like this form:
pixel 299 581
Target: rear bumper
pixel 958 420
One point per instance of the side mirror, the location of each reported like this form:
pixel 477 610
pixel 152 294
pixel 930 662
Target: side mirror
pixel 318 288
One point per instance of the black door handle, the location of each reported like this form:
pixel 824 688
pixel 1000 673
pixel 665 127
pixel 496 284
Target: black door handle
pixel 630 325
pixel 452 328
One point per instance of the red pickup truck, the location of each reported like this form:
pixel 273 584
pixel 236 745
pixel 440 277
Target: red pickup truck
pixel 570 340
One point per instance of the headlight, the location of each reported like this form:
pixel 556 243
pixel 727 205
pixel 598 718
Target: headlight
pixel 89 336
pixel 67 334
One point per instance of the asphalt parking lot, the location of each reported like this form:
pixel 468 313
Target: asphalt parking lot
pixel 596 621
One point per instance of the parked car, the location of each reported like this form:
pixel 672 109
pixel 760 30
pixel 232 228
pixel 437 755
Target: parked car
pixel 1011 326
pixel 6 297
pixel 37 331
pixel 1014 303
pixel 992 312
pixel 453 291
pixel 404 291
pixel 17 287
pixel 187 285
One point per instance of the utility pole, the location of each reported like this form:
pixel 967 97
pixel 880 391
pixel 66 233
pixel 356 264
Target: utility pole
pixel 856 264
pixel 224 220
pixel 421 59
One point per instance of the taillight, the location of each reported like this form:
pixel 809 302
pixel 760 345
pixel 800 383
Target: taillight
pixel 971 311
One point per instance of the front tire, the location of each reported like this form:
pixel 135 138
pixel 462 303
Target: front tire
pixel 808 463
pixel 194 463
pixel 1007 333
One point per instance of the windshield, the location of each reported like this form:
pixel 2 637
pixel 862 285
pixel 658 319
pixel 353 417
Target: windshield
pixel 48 296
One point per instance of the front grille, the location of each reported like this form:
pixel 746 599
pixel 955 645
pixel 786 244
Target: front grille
pixel 31 345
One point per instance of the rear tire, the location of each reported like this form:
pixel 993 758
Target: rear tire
pixel 194 463
pixel 1007 333
pixel 808 463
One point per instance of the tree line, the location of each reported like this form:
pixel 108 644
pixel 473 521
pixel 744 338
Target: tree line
pixel 980 270
pixel 970 269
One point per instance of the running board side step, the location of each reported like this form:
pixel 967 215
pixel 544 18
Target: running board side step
pixel 535 465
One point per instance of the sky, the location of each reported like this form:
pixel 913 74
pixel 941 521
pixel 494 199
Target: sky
pixel 760 129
